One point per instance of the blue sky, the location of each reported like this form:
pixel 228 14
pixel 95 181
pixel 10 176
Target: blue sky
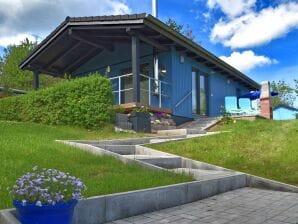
pixel 259 37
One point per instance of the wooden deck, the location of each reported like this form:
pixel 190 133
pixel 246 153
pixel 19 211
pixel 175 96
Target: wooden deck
pixel 130 106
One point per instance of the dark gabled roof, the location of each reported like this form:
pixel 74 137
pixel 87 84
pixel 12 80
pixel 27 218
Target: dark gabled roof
pixel 150 23
pixel 285 106
pixel 106 18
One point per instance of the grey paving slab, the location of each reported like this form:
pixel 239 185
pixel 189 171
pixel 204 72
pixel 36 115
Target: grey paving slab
pixel 245 205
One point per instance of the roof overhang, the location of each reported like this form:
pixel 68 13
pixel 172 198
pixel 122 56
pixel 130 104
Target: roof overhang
pixel 78 39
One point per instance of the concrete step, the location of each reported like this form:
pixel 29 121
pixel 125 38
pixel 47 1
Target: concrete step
pixel 149 157
pixel 119 149
pixel 200 174
pixel 201 124
pixel 196 131
pixel 172 132
pixel 198 126
pixel 166 162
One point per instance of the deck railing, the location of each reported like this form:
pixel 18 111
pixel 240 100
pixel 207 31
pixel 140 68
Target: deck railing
pixel 153 92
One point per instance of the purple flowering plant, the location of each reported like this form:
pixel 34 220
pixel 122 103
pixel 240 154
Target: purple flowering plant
pixel 47 187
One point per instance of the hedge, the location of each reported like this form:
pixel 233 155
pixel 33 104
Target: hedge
pixel 86 101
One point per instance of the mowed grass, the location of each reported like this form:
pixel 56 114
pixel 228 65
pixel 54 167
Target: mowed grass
pixel 262 147
pixel 24 145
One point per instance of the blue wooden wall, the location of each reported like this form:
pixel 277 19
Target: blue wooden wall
pixel 178 74
pixel 218 86
pixel 284 113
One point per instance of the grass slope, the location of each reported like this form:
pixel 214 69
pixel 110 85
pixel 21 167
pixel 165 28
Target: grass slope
pixel 264 148
pixel 24 145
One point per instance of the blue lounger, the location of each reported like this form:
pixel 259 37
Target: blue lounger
pixel 245 105
pixel 231 105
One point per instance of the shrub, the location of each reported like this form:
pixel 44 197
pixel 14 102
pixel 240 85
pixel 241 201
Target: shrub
pixel 85 102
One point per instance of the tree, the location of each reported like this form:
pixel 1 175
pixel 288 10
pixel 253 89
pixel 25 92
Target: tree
pixel 188 32
pixel 174 25
pixel 296 86
pixel 285 94
pixel 11 76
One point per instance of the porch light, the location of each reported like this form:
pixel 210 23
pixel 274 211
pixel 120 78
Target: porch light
pixel 181 58
pixel 162 71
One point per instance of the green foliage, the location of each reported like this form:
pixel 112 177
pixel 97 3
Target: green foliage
pixel 262 147
pixel 296 86
pixel 188 32
pixel 23 145
pixel 285 94
pixel 85 102
pixel 226 117
pixel 174 25
pixel 11 76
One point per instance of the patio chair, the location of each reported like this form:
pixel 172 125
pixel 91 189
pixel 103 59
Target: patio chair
pixel 231 105
pixel 245 105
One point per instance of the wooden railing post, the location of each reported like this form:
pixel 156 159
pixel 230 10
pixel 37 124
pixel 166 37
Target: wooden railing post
pixel 135 60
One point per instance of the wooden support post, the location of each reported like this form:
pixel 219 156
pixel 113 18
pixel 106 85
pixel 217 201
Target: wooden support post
pixel 36 79
pixel 135 60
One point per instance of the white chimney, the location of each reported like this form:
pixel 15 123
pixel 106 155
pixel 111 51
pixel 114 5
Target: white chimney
pixel 154 8
pixel 155 55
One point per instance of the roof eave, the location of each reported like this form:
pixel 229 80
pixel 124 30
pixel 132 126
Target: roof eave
pixel 150 20
pixel 67 23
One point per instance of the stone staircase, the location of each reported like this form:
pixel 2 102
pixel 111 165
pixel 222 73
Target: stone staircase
pixel 128 150
pixel 199 126
pixel 167 126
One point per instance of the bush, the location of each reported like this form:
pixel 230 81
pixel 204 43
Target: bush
pixel 85 102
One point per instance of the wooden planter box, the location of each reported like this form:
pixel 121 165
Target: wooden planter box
pixel 141 122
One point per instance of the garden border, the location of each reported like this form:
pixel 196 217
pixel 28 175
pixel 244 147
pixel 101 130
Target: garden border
pixel 106 208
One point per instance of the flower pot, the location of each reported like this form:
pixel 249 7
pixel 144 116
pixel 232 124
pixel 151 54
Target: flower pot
pixel 141 122
pixel 60 213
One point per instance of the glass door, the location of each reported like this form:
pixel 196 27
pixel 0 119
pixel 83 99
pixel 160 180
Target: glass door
pixel 194 92
pixel 203 95
pixel 199 93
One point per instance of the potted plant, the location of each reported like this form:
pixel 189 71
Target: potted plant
pixel 140 119
pixel 46 196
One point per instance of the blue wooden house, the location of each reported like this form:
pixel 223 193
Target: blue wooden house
pixel 148 63
pixel 283 112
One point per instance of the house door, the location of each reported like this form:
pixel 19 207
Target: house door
pixel 199 93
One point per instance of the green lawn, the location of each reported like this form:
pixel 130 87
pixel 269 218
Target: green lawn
pixel 24 145
pixel 264 148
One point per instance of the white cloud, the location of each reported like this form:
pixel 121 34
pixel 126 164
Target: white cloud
pixel 16 39
pixel 39 17
pixel 247 60
pixel 254 29
pixel 232 8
